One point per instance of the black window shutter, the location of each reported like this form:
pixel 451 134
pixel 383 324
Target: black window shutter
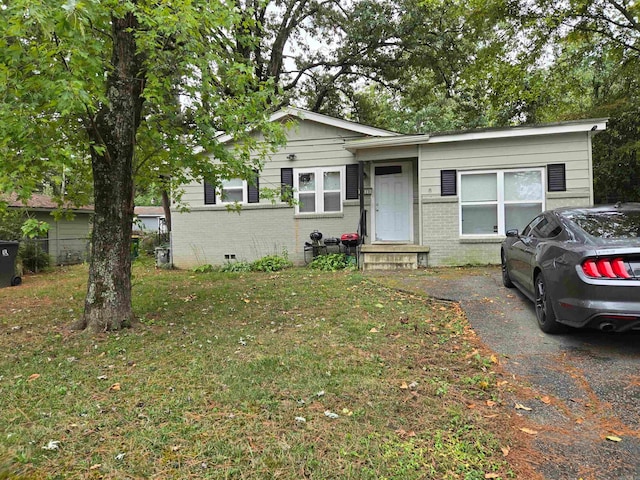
pixel 209 194
pixel 286 181
pixel 352 181
pixel 556 177
pixel 253 190
pixel 448 180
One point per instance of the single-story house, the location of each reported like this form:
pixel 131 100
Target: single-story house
pixel 67 240
pixel 415 200
pixel 149 219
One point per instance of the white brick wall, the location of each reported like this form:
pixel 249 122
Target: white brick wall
pixel 206 234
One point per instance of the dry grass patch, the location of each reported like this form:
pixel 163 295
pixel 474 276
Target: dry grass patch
pixel 289 375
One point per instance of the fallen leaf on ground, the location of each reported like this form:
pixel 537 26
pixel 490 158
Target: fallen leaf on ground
pixel 404 386
pixel 546 400
pixel 374 330
pixel 505 450
pixel 491 475
pixel 33 377
pixel 529 431
pixel 491 403
pixel 493 359
pixel 613 438
pixel 95 467
pixel 115 387
pixel 579 421
pixel 519 406
pixel 402 433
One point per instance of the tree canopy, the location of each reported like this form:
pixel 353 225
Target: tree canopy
pixel 111 95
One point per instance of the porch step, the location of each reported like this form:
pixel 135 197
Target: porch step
pixel 393 257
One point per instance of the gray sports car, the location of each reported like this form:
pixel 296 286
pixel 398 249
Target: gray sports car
pixel 580 266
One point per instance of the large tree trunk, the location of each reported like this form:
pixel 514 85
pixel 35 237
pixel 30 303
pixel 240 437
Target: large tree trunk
pixel 112 133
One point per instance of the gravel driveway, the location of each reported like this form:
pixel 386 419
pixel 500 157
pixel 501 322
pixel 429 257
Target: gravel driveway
pixel 584 386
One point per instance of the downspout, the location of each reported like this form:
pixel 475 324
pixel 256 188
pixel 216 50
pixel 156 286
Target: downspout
pixel 420 219
pixel 363 218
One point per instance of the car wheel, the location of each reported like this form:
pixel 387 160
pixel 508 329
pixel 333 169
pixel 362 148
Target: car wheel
pixel 544 310
pixel 506 279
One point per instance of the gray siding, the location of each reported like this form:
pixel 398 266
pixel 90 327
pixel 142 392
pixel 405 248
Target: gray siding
pixel 522 152
pixel 313 144
pixel 147 224
pixel 68 240
pixel 440 215
pixel 207 233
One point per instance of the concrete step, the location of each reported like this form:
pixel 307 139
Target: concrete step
pixel 393 257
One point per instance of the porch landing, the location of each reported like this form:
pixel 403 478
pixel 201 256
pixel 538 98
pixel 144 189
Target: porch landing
pixel 393 257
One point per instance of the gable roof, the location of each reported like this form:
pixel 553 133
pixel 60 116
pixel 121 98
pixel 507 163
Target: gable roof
pixel 322 119
pixel 39 201
pixel 331 121
pixel 573 126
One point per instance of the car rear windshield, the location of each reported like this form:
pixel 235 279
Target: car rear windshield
pixel 614 225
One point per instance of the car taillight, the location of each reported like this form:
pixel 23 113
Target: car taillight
pixel 605 268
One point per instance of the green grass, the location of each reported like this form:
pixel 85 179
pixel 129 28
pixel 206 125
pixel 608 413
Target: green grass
pixel 213 380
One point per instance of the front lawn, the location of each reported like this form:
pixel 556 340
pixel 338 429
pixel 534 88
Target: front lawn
pixel 297 374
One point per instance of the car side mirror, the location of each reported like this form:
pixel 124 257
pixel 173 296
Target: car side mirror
pixel 513 233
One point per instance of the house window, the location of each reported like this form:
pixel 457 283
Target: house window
pixel 319 190
pixel 233 190
pixel 492 202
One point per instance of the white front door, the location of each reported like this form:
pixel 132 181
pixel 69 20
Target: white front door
pixel 393 196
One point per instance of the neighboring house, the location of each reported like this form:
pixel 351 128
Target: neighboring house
pixel 150 219
pixel 438 199
pixel 67 241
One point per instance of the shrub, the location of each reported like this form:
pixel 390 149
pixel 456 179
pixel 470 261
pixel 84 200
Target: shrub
pixel 271 263
pixel 207 268
pixel 10 223
pixel 33 258
pixel 236 267
pixel 148 244
pixel 331 262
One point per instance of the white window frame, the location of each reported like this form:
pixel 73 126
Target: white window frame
pixel 221 188
pixel 319 191
pixel 500 202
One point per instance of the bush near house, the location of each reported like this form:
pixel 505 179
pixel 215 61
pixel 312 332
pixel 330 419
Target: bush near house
pixel 32 257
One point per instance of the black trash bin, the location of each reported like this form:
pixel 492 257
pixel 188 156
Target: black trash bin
pixel 8 255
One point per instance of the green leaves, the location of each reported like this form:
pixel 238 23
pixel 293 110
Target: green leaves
pixel 33 228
